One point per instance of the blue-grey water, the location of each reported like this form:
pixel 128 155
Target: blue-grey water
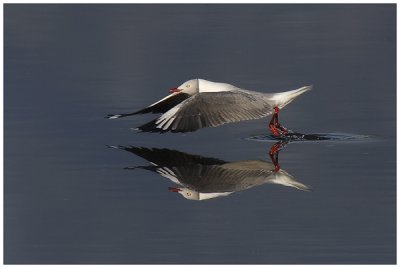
pixel 68 198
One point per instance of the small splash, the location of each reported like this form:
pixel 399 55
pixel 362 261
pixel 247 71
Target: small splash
pixel 293 137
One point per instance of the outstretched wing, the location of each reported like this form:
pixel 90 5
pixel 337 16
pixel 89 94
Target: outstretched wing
pixel 160 106
pixel 211 109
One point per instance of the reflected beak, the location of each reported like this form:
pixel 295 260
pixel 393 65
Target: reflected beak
pixel 173 189
pixel 174 89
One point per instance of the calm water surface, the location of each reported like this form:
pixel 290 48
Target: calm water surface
pixel 68 198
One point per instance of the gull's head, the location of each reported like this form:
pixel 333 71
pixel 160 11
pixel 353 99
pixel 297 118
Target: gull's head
pixel 186 193
pixel 190 87
pixel 198 196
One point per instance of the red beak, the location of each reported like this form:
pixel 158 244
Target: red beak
pixel 174 89
pixel 173 189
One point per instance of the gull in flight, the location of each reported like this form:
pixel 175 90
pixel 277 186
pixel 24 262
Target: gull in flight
pixel 199 103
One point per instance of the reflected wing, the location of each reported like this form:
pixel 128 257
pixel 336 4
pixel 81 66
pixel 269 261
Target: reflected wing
pixel 210 109
pixel 169 163
pixel 169 158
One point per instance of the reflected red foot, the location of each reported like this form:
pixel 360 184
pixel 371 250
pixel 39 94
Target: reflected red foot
pixel 275 148
pixel 273 154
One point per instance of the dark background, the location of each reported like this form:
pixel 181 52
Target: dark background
pixel 67 198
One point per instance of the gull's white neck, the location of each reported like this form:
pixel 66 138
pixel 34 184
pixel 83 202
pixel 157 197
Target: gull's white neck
pixel 208 86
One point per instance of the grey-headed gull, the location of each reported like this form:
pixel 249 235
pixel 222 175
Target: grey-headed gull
pixel 203 178
pixel 199 103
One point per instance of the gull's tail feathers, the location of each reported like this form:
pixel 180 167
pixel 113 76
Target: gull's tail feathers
pixel 283 178
pixel 284 98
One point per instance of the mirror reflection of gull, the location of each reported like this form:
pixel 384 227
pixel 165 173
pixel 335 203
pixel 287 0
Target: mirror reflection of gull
pixel 199 103
pixel 201 178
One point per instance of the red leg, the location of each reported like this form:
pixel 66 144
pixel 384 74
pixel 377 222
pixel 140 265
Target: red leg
pixel 274 152
pixel 274 126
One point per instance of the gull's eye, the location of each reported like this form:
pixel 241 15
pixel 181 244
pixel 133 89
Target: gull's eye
pixel 188 194
pixel 188 85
